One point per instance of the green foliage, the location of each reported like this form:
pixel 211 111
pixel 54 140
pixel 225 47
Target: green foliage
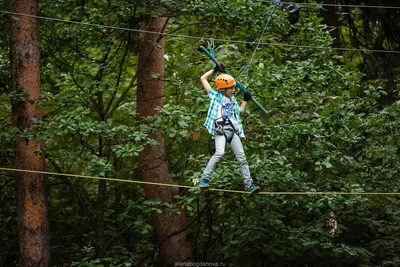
pixel 325 131
pixel 315 138
pixel 86 262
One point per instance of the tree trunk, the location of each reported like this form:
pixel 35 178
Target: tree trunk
pixel 100 243
pixel 150 95
pixel 31 188
pixel 330 15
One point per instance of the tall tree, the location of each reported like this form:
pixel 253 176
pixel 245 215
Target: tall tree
pixel 26 110
pixel 174 243
pixel 374 28
pixel 330 15
pixel 369 28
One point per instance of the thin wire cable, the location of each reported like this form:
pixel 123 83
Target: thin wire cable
pixel 334 5
pixel 194 187
pixel 202 38
pixel 259 40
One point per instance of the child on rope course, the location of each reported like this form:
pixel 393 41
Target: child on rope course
pixel 224 123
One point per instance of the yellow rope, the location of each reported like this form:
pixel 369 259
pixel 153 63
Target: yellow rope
pixel 116 179
pixel 194 187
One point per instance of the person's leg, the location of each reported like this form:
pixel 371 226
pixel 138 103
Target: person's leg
pixel 237 148
pixel 220 142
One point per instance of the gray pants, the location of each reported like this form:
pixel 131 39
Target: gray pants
pixel 237 147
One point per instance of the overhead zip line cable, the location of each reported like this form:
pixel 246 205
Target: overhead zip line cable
pixel 194 187
pixel 259 40
pixel 334 5
pixel 202 38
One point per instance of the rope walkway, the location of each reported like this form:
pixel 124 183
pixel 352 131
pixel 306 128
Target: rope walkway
pixel 223 40
pixel 195 187
pixel 202 38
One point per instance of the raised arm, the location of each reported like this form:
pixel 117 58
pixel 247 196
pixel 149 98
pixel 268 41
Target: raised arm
pixel 204 80
pixel 246 98
pixel 243 105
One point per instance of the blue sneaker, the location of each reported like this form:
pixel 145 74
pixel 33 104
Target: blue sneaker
pixel 253 189
pixel 204 183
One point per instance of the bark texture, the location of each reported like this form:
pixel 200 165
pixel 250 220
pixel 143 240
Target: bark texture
pixel 330 14
pixel 31 188
pixel 150 96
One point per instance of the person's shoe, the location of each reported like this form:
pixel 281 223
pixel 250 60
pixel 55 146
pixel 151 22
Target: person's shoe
pixel 204 183
pixel 253 189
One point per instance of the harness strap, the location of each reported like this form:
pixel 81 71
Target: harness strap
pixel 224 118
pixel 229 140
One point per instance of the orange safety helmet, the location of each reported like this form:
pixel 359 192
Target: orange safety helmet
pixel 224 81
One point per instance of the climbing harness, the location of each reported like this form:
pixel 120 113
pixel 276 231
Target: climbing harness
pixel 220 128
pixel 223 125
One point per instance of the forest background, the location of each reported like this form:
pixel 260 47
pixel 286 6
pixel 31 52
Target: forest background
pixel 128 104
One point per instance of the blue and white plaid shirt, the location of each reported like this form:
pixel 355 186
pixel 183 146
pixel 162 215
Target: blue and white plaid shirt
pixel 216 103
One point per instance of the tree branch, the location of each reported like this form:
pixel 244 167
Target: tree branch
pixel 131 84
pixel 140 261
